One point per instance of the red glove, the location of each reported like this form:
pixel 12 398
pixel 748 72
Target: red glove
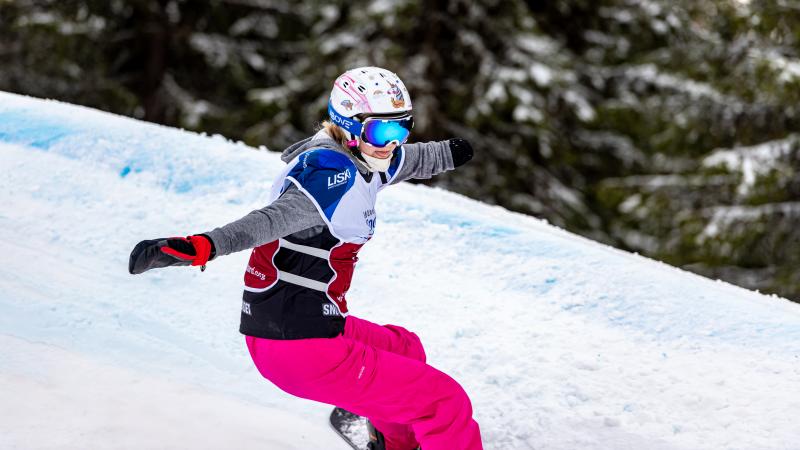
pixel 176 251
pixel 196 249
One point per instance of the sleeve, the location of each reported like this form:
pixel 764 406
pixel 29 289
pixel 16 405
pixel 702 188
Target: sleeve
pixel 423 160
pixel 290 213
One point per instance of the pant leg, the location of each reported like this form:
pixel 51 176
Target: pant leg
pixel 373 383
pixel 396 340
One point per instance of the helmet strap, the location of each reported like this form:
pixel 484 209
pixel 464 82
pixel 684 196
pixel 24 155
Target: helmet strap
pixel 372 164
pixel 352 143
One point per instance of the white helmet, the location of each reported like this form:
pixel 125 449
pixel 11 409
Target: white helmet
pixel 383 108
pixel 369 91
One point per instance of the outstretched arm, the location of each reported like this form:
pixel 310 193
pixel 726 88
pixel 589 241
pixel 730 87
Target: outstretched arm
pixel 426 159
pixel 290 213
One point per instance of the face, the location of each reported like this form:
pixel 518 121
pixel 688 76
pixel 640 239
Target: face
pixel 376 152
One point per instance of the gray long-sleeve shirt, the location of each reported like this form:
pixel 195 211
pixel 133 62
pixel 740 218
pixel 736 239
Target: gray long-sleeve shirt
pixel 293 211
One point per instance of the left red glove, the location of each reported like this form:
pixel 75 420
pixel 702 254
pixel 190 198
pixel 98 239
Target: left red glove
pixel 175 251
pixel 196 249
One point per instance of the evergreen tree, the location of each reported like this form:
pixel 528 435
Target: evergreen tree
pixel 186 63
pixel 713 111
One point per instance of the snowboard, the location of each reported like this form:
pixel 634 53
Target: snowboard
pixel 351 427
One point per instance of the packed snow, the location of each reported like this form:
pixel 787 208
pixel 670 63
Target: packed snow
pixel 562 343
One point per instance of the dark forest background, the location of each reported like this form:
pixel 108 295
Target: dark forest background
pixel 664 127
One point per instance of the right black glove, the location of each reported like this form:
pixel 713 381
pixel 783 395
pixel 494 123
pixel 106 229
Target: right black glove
pixel 461 151
pixel 164 252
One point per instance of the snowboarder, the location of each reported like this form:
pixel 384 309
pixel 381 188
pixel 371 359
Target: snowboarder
pixel 295 317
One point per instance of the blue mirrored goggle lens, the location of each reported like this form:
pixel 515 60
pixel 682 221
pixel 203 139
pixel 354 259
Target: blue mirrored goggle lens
pixel 381 132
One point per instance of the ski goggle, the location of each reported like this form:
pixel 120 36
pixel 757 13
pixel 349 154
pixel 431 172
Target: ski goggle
pixel 376 130
pixel 381 132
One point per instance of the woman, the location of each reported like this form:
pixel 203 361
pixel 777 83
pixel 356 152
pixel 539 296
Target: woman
pixel 294 312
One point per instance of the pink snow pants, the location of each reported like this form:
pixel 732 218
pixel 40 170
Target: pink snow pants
pixel 378 372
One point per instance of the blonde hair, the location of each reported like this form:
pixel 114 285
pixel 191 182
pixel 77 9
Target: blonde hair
pixel 336 133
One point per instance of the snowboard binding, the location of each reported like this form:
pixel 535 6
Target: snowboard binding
pixel 357 431
pixel 376 441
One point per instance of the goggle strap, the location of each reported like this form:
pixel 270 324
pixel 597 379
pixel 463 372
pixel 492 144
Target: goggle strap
pixel 351 125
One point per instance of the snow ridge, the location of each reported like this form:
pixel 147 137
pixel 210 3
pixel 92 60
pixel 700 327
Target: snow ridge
pixel 565 342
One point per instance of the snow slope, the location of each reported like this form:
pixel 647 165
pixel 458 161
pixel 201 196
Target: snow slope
pixel 561 343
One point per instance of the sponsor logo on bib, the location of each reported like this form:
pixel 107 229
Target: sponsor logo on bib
pixel 339 179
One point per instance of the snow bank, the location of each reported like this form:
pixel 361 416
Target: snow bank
pixel 82 403
pixel 562 343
